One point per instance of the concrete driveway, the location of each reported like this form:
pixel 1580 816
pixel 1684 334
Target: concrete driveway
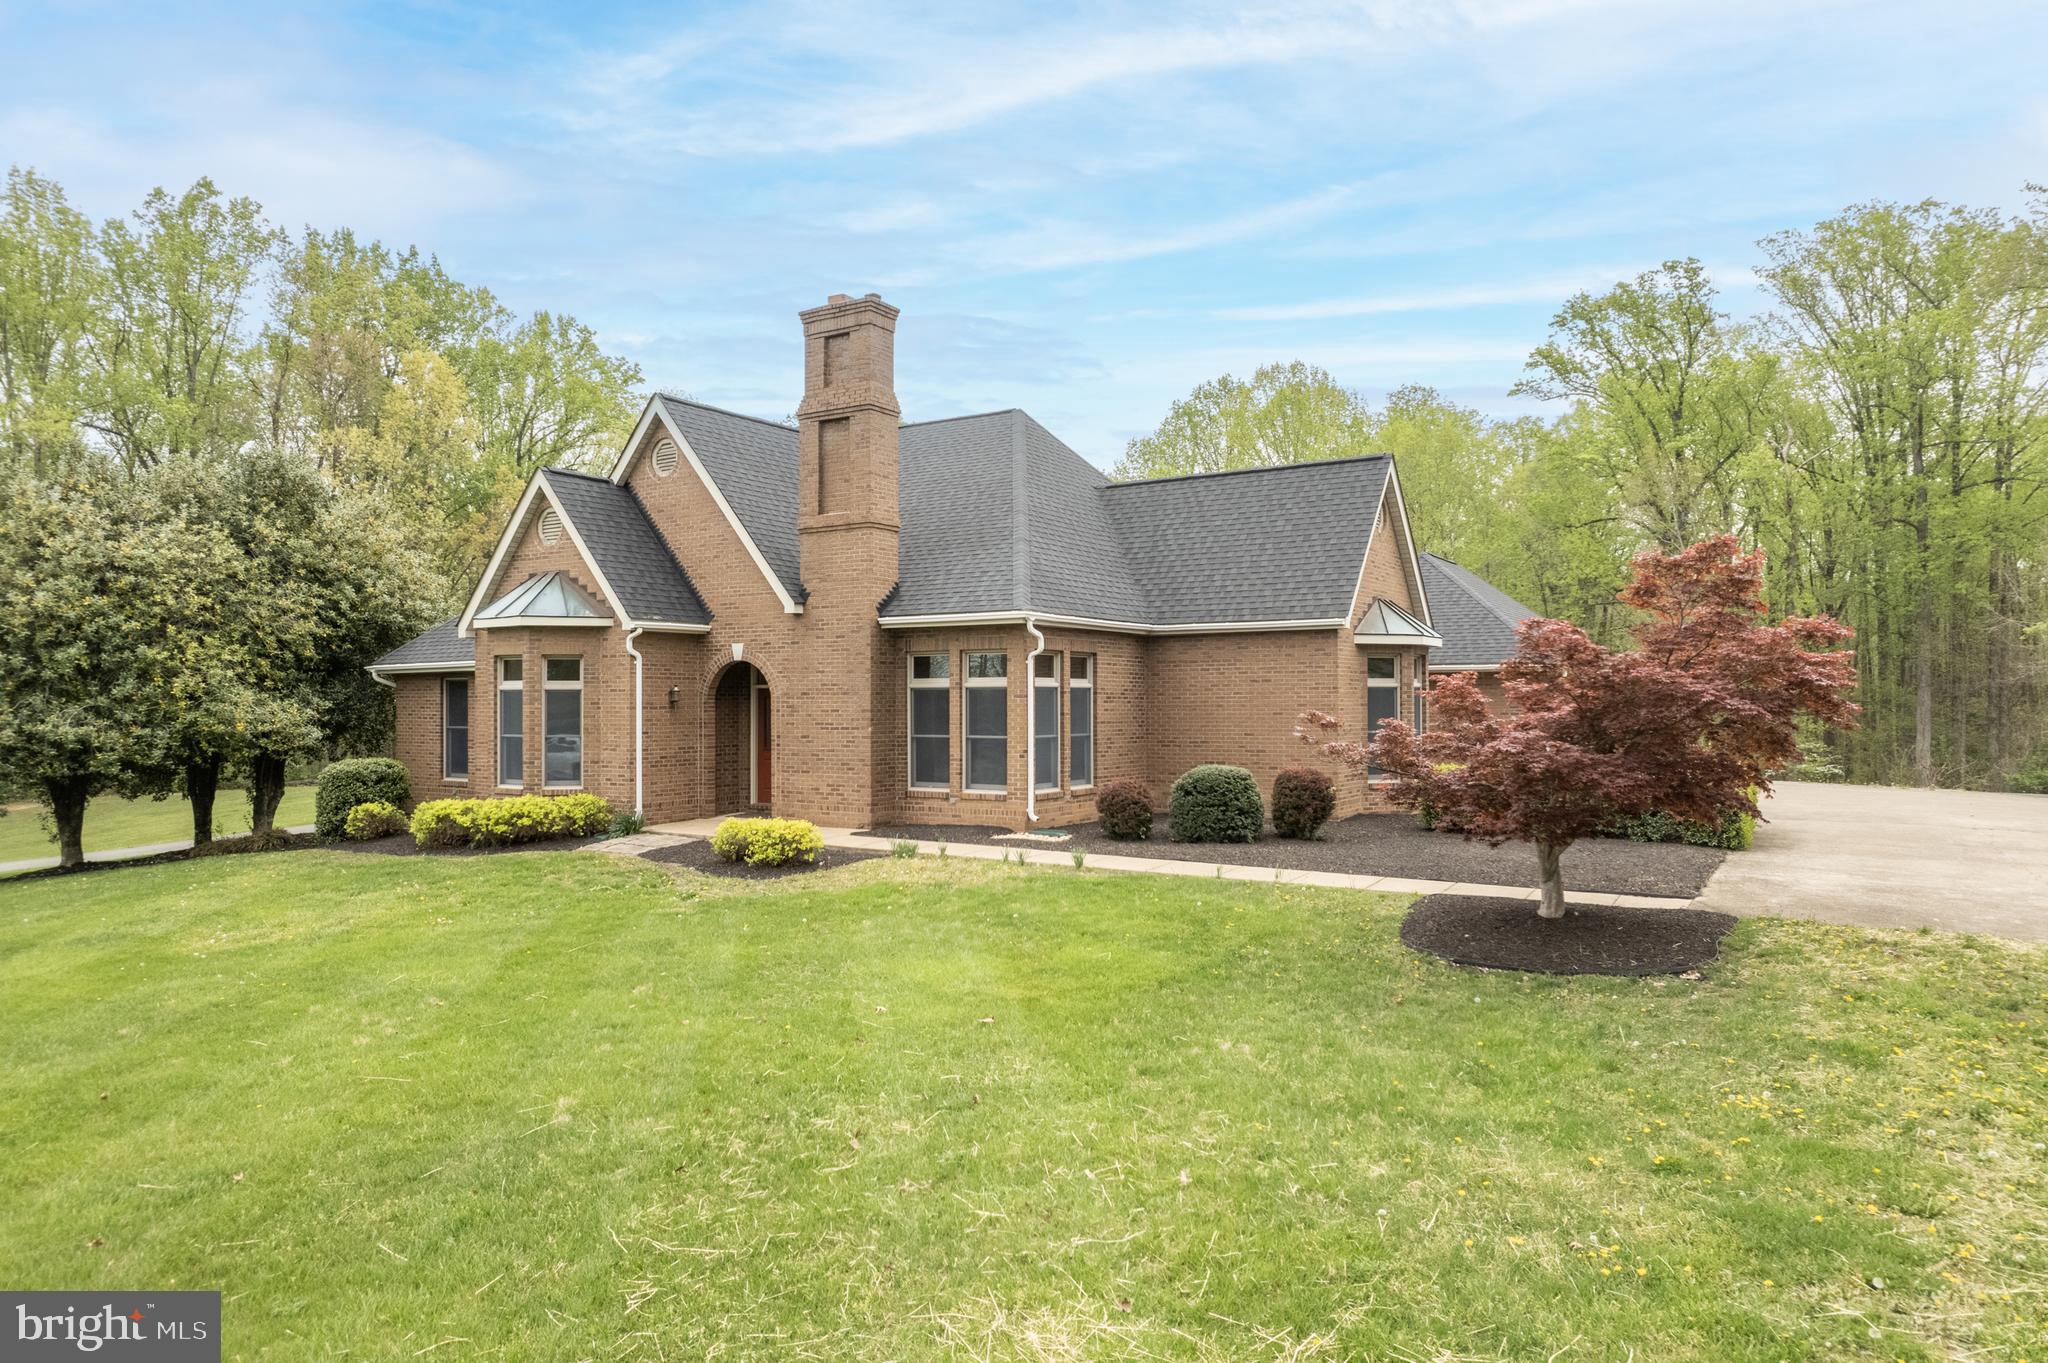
pixel 1892 857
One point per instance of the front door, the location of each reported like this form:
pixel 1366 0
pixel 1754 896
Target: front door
pixel 764 748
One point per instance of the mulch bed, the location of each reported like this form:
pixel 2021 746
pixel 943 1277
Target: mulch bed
pixel 219 847
pixel 402 845
pixel 1393 845
pixel 1506 934
pixel 698 856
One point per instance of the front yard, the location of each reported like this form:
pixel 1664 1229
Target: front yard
pixel 554 1107
pixel 112 822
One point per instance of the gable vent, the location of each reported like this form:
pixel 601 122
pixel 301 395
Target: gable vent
pixel 665 456
pixel 550 526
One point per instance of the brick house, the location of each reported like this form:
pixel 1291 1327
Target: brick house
pixel 862 621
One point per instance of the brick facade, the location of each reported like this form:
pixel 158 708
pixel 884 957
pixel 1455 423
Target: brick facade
pixel 838 683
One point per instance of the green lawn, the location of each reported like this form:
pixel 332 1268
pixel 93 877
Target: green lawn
pixel 111 821
pixel 553 1107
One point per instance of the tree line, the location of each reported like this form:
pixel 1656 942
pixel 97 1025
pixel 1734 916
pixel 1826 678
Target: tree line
pixel 237 466
pixel 1880 432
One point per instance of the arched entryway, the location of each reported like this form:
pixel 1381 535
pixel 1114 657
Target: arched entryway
pixel 743 740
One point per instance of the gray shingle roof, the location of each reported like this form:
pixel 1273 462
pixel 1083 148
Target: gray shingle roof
pixel 1476 618
pixel 753 462
pixel 629 551
pixel 1282 543
pixel 440 645
pixel 1000 516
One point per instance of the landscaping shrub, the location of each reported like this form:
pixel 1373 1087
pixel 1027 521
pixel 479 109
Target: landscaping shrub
pixel 509 819
pixel 357 781
pixel 373 819
pixel 1303 801
pixel 1125 809
pixel 1216 803
pixel 626 825
pixel 1734 832
pixel 768 842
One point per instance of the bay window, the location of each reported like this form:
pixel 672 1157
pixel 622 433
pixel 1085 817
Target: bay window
pixel 986 702
pixel 562 722
pixel 1081 720
pixel 511 719
pixel 931 720
pixel 1045 721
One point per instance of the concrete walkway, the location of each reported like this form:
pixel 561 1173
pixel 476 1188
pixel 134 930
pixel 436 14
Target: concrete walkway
pixel 1205 870
pixel 1894 857
pixel 147 849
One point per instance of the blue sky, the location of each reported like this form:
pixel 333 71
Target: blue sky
pixel 1082 210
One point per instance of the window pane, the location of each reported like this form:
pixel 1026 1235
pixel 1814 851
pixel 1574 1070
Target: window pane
pixel 563 751
pixel 510 750
pixel 1047 665
pixel 1381 703
pixel 1082 667
pixel 928 712
pixel 931 667
pixel 988 712
pixel 988 727
pixel 1421 712
pixel 1045 739
pixel 511 669
pixel 1081 761
pixel 455 728
pixel 928 761
pixel 1379 669
pixel 988 665
pixel 987 763
pixel 565 669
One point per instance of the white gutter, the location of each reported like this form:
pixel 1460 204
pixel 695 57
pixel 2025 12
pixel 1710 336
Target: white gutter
pixel 381 679
pixel 639 721
pixel 1031 721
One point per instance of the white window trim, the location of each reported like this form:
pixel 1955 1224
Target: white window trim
pixel 1051 684
pixel 467 687
pixel 1087 684
pixel 1002 683
pixel 547 685
pixel 911 735
pixel 518 689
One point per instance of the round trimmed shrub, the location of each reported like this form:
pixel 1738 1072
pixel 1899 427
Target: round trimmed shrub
pixel 1216 803
pixel 1125 809
pixel 1303 801
pixel 357 781
pixel 374 819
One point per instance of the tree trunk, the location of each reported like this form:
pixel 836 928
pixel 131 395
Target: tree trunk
pixel 266 788
pixel 202 782
pixel 67 797
pixel 1549 859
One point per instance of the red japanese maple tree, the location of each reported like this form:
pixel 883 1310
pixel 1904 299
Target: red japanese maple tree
pixel 1689 722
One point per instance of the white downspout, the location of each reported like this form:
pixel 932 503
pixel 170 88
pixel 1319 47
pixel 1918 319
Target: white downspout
pixel 639 720
pixel 1031 721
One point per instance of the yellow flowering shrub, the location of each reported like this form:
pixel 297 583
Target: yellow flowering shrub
pixel 768 842
pixel 509 819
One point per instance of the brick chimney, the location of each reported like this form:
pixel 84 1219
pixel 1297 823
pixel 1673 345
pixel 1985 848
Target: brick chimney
pixel 847 526
pixel 846 445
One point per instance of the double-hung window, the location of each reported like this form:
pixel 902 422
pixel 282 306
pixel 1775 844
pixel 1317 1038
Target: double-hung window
pixel 1045 721
pixel 1081 720
pixel 455 728
pixel 511 721
pixel 562 721
pixel 986 692
pixel 931 720
pixel 1382 695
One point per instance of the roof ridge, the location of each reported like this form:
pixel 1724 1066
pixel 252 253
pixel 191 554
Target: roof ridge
pixel 1256 468
pixel 579 473
pixel 726 411
pixel 969 416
